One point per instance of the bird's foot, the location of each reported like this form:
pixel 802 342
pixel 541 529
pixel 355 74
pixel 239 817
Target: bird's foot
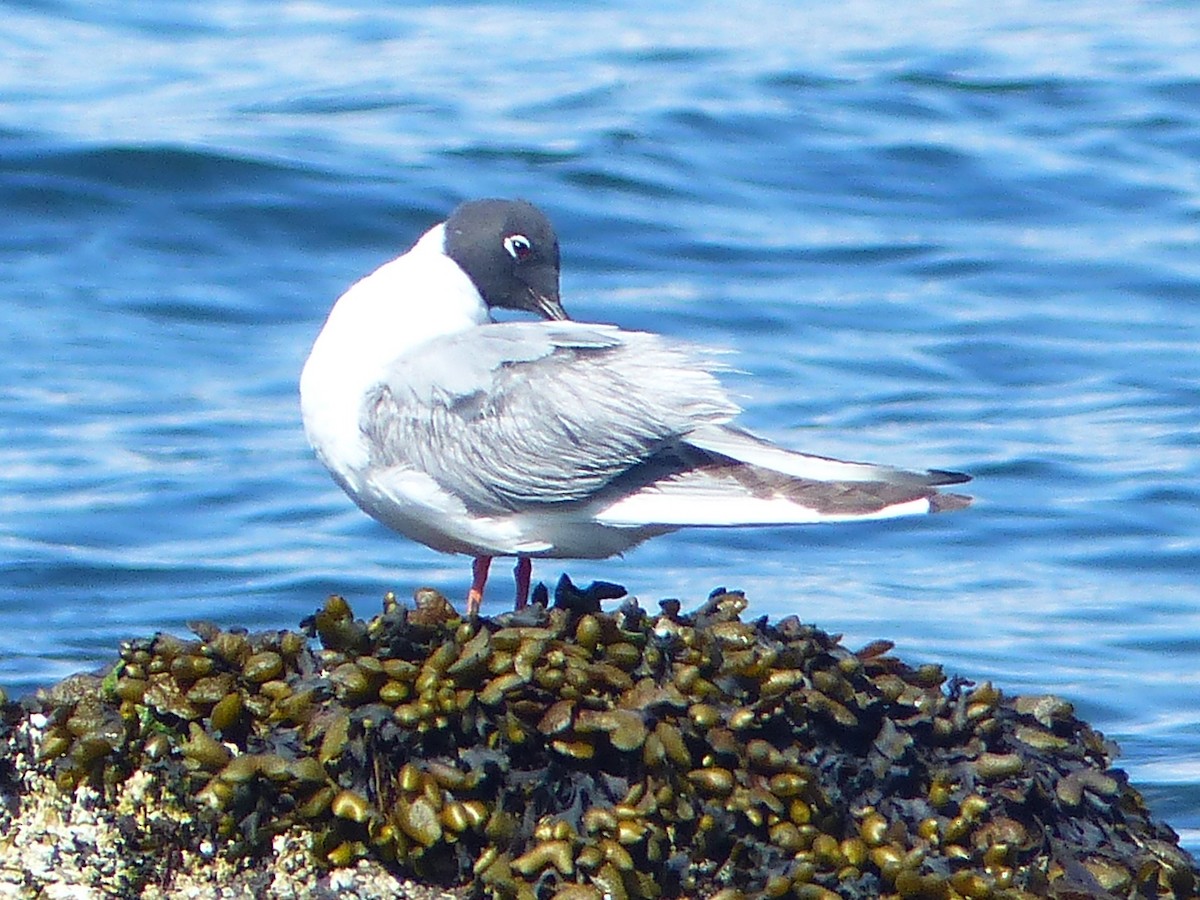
pixel 474 602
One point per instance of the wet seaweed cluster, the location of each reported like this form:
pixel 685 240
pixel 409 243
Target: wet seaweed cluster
pixel 577 754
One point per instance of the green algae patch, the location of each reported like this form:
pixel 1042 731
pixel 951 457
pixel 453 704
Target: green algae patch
pixel 573 753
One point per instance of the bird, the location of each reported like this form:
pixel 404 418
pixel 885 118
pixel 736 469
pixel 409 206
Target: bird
pixel 547 437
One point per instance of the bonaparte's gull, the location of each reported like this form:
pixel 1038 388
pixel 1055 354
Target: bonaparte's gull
pixel 548 438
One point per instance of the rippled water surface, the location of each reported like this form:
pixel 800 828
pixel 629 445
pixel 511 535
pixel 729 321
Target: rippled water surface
pixel 936 235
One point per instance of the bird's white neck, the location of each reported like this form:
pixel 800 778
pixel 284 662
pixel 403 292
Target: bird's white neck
pixel 418 296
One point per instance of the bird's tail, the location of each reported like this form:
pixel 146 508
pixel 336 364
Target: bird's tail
pixel 724 476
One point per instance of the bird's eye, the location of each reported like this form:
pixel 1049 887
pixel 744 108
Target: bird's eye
pixel 518 247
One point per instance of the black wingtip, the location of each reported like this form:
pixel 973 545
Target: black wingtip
pixel 941 476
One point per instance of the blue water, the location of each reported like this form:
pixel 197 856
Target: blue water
pixel 962 236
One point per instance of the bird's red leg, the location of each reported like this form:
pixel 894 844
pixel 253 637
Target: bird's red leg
pixel 479 572
pixel 523 574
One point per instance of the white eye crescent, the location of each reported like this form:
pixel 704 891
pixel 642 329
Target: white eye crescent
pixel 518 247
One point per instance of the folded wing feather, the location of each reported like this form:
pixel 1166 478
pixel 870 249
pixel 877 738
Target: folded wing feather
pixel 514 417
pixel 540 412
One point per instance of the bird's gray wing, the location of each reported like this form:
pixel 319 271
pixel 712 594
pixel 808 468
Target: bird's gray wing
pixel 510 416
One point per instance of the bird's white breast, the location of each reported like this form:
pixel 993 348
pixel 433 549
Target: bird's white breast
pixel 415 297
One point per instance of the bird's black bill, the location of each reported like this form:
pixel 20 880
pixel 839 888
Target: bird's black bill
pixel 548 307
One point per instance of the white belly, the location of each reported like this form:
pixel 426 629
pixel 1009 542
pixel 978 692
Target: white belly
pixel 413 504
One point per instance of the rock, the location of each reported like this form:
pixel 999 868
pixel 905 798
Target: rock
pixel 563 751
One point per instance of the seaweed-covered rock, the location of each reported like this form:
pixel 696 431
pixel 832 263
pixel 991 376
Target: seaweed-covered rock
pixel 571 753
